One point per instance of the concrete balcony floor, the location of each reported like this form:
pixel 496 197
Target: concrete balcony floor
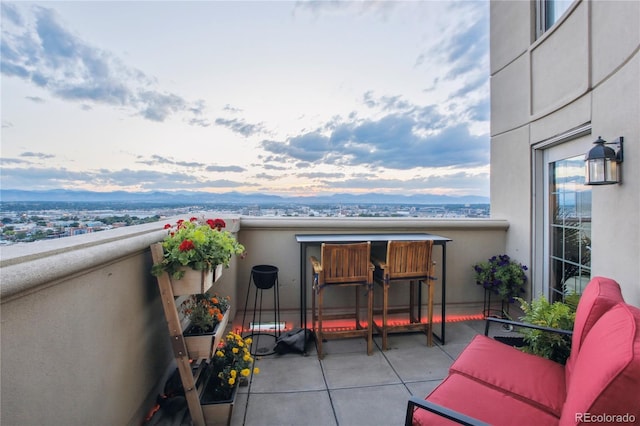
pixel 347 387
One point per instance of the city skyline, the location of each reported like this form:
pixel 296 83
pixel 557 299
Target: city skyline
pixel 286 98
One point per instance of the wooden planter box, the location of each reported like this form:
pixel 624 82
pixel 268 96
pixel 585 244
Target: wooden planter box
pixel 195 282
pixel 218 413
pixel 203 345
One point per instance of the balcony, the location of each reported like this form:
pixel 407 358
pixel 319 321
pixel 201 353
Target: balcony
pixel 84 339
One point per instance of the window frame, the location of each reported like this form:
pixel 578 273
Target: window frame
pixel 567 144
pixel 543 10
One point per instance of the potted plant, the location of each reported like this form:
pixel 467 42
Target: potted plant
pixel 196 248
pixel 560 315
pixel 231 362
pixel 207 315
pixel 502 276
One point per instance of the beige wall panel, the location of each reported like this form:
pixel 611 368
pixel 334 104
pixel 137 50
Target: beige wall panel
pixel 510 96
pixel 616 34
pixel 616 218
pixel 509 41
pixel 87 350
pixel 511 190
pixel 557 79
pixel 569 117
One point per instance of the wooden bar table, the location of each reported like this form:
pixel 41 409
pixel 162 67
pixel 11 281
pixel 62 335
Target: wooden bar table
pixel 306 240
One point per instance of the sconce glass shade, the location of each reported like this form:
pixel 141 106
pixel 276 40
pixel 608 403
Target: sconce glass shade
pixel 601 165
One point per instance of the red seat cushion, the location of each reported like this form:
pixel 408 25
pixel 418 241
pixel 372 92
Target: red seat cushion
pixel 606 374
pixel 532 379
pixel 485 403
pixel 600 295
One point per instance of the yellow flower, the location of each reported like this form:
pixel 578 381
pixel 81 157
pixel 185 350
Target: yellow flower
pixel 235 350
pixel 256 370
pixel 248 340
pixel 240 343
pixel 246 358
pixel 233 373
pixel 231 381
pixel 220 354
pixel 245 372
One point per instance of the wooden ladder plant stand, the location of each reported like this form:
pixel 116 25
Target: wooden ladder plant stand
pixel 189 373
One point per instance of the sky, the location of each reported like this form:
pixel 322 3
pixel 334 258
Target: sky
pixel 278 97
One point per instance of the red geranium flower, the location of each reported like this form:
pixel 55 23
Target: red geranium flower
pixel 193 219
pixel 186 245
pixel 216 224
pixel 167 226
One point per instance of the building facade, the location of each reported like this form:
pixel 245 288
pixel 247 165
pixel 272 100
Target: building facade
pixel 562 74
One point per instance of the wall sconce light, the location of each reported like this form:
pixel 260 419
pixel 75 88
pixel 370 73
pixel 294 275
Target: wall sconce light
pixel 603 163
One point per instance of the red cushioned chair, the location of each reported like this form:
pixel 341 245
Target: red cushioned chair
pixel 496 384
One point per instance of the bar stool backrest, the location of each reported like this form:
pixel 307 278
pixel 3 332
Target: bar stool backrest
pixel 346 263
pixel 409 260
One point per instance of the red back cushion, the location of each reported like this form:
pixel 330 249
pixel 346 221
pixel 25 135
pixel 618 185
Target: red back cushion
pixel 600 295
pixel 606 375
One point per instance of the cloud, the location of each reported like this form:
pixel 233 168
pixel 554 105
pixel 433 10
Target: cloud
pixel 266 177
pixel 322 175
pixel 36 99
pixel 422 138
pixel 10 161
pixel 240 126
pixel 466 49
pixel 157 160
pixel 49 56
pixel 38 155
pixel 269 166
pixel 225 169
pixel 318 8
pixel 461 183
pixel 55 178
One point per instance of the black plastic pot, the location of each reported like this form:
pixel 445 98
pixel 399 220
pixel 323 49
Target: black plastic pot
pixel 264 276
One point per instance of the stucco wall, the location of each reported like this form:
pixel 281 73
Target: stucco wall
pixel 83 341
pixel 511 190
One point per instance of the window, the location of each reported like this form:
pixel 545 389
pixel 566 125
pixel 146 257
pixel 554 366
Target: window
pixel 548 12
pixel 570 228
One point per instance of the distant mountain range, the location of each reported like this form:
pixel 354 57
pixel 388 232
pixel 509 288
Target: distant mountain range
pixel 189 197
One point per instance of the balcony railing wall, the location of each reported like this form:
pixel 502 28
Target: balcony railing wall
pixel 84 340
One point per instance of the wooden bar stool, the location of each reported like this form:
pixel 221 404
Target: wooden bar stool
pixel 342 265
pixel 406 261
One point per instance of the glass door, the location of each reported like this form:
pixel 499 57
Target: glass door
pixel 569 229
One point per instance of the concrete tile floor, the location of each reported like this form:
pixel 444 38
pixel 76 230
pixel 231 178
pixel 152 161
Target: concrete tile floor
pixel 348 387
